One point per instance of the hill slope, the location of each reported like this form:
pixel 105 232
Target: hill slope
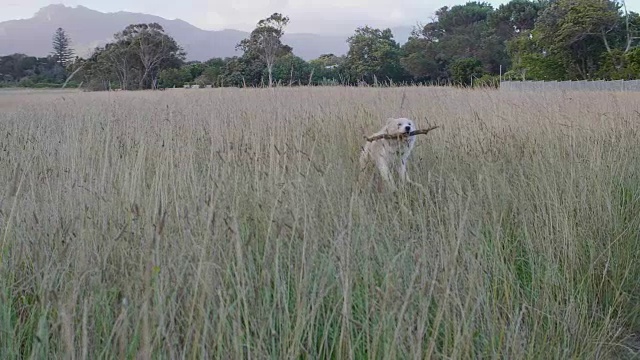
pixel 89 28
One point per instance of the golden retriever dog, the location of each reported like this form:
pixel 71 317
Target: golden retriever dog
pixel 390 154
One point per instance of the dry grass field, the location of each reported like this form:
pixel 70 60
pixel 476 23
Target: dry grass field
pixel 230 223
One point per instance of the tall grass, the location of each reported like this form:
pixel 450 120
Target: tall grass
pixel 230 224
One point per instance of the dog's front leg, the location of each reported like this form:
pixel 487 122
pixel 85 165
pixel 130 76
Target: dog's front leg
pixel 364 158
pixel 402 171
pixel 386 174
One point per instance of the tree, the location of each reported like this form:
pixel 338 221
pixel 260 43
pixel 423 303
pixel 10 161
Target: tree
pixel 577 32
pixel 98 71
pixel 154 49
pixel 214 71
pixel 620 65
pixel 265 41
pixel 134 59
pixel 120 58
pixel 62 52
pixel 422 59
pixel 374 55
pixel 291 69
pixel 463 70
pixel 169 78
pixel 461 16
pixel 619 40
pixel 468 33
pixel 30 70
pixel 516 16
pixel 196 69
pixel 74 68
pixel 246 70
pixel 631 27
pixel 327 69
pixel 575 38
pixel 472 30
pixel 566 23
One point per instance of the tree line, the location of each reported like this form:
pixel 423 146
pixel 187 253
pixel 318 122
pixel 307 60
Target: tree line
pixel 472 43
pixel 29 71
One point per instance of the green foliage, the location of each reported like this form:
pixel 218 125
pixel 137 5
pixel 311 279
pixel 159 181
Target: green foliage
pixel 633 61
pixel 473 30
pixel 531 62
pixel 620 65
pixel 210 72
pixel 567 23
pixel 511 75
pixel 614 66
pixel 487 81
pixel 213 73
pixel 243 71
pixel 174 77
pixel 374 56
pixel 327 69
pixel 290 70
pixel 423 61
pixel 574 31
pixel 465 70
pixel 575 40
pixel 196 69
pixel 541 67
pixel 17 68
pixel 514 17
pixel 550 40
pixel 461 16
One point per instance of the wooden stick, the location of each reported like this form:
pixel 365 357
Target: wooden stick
pixel 396 136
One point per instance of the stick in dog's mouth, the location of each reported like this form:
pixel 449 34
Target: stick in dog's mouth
pixel 400 135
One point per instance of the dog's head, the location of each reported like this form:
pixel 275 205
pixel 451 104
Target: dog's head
pixel 399 126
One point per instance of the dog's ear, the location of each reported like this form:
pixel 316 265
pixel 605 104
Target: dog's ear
pixel 390 125
pixel 390 121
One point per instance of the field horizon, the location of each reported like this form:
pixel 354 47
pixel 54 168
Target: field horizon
pixel 233 223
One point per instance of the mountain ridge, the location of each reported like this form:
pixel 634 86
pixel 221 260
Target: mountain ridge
pixel 90 28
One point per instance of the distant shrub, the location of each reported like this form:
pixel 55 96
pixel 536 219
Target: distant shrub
pixel 491 81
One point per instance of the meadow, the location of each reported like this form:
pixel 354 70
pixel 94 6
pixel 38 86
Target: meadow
pixel 232 223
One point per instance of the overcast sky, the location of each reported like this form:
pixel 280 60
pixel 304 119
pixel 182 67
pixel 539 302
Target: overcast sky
pixel 317 16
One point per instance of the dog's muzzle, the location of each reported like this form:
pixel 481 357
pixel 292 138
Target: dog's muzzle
pixel 407 129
